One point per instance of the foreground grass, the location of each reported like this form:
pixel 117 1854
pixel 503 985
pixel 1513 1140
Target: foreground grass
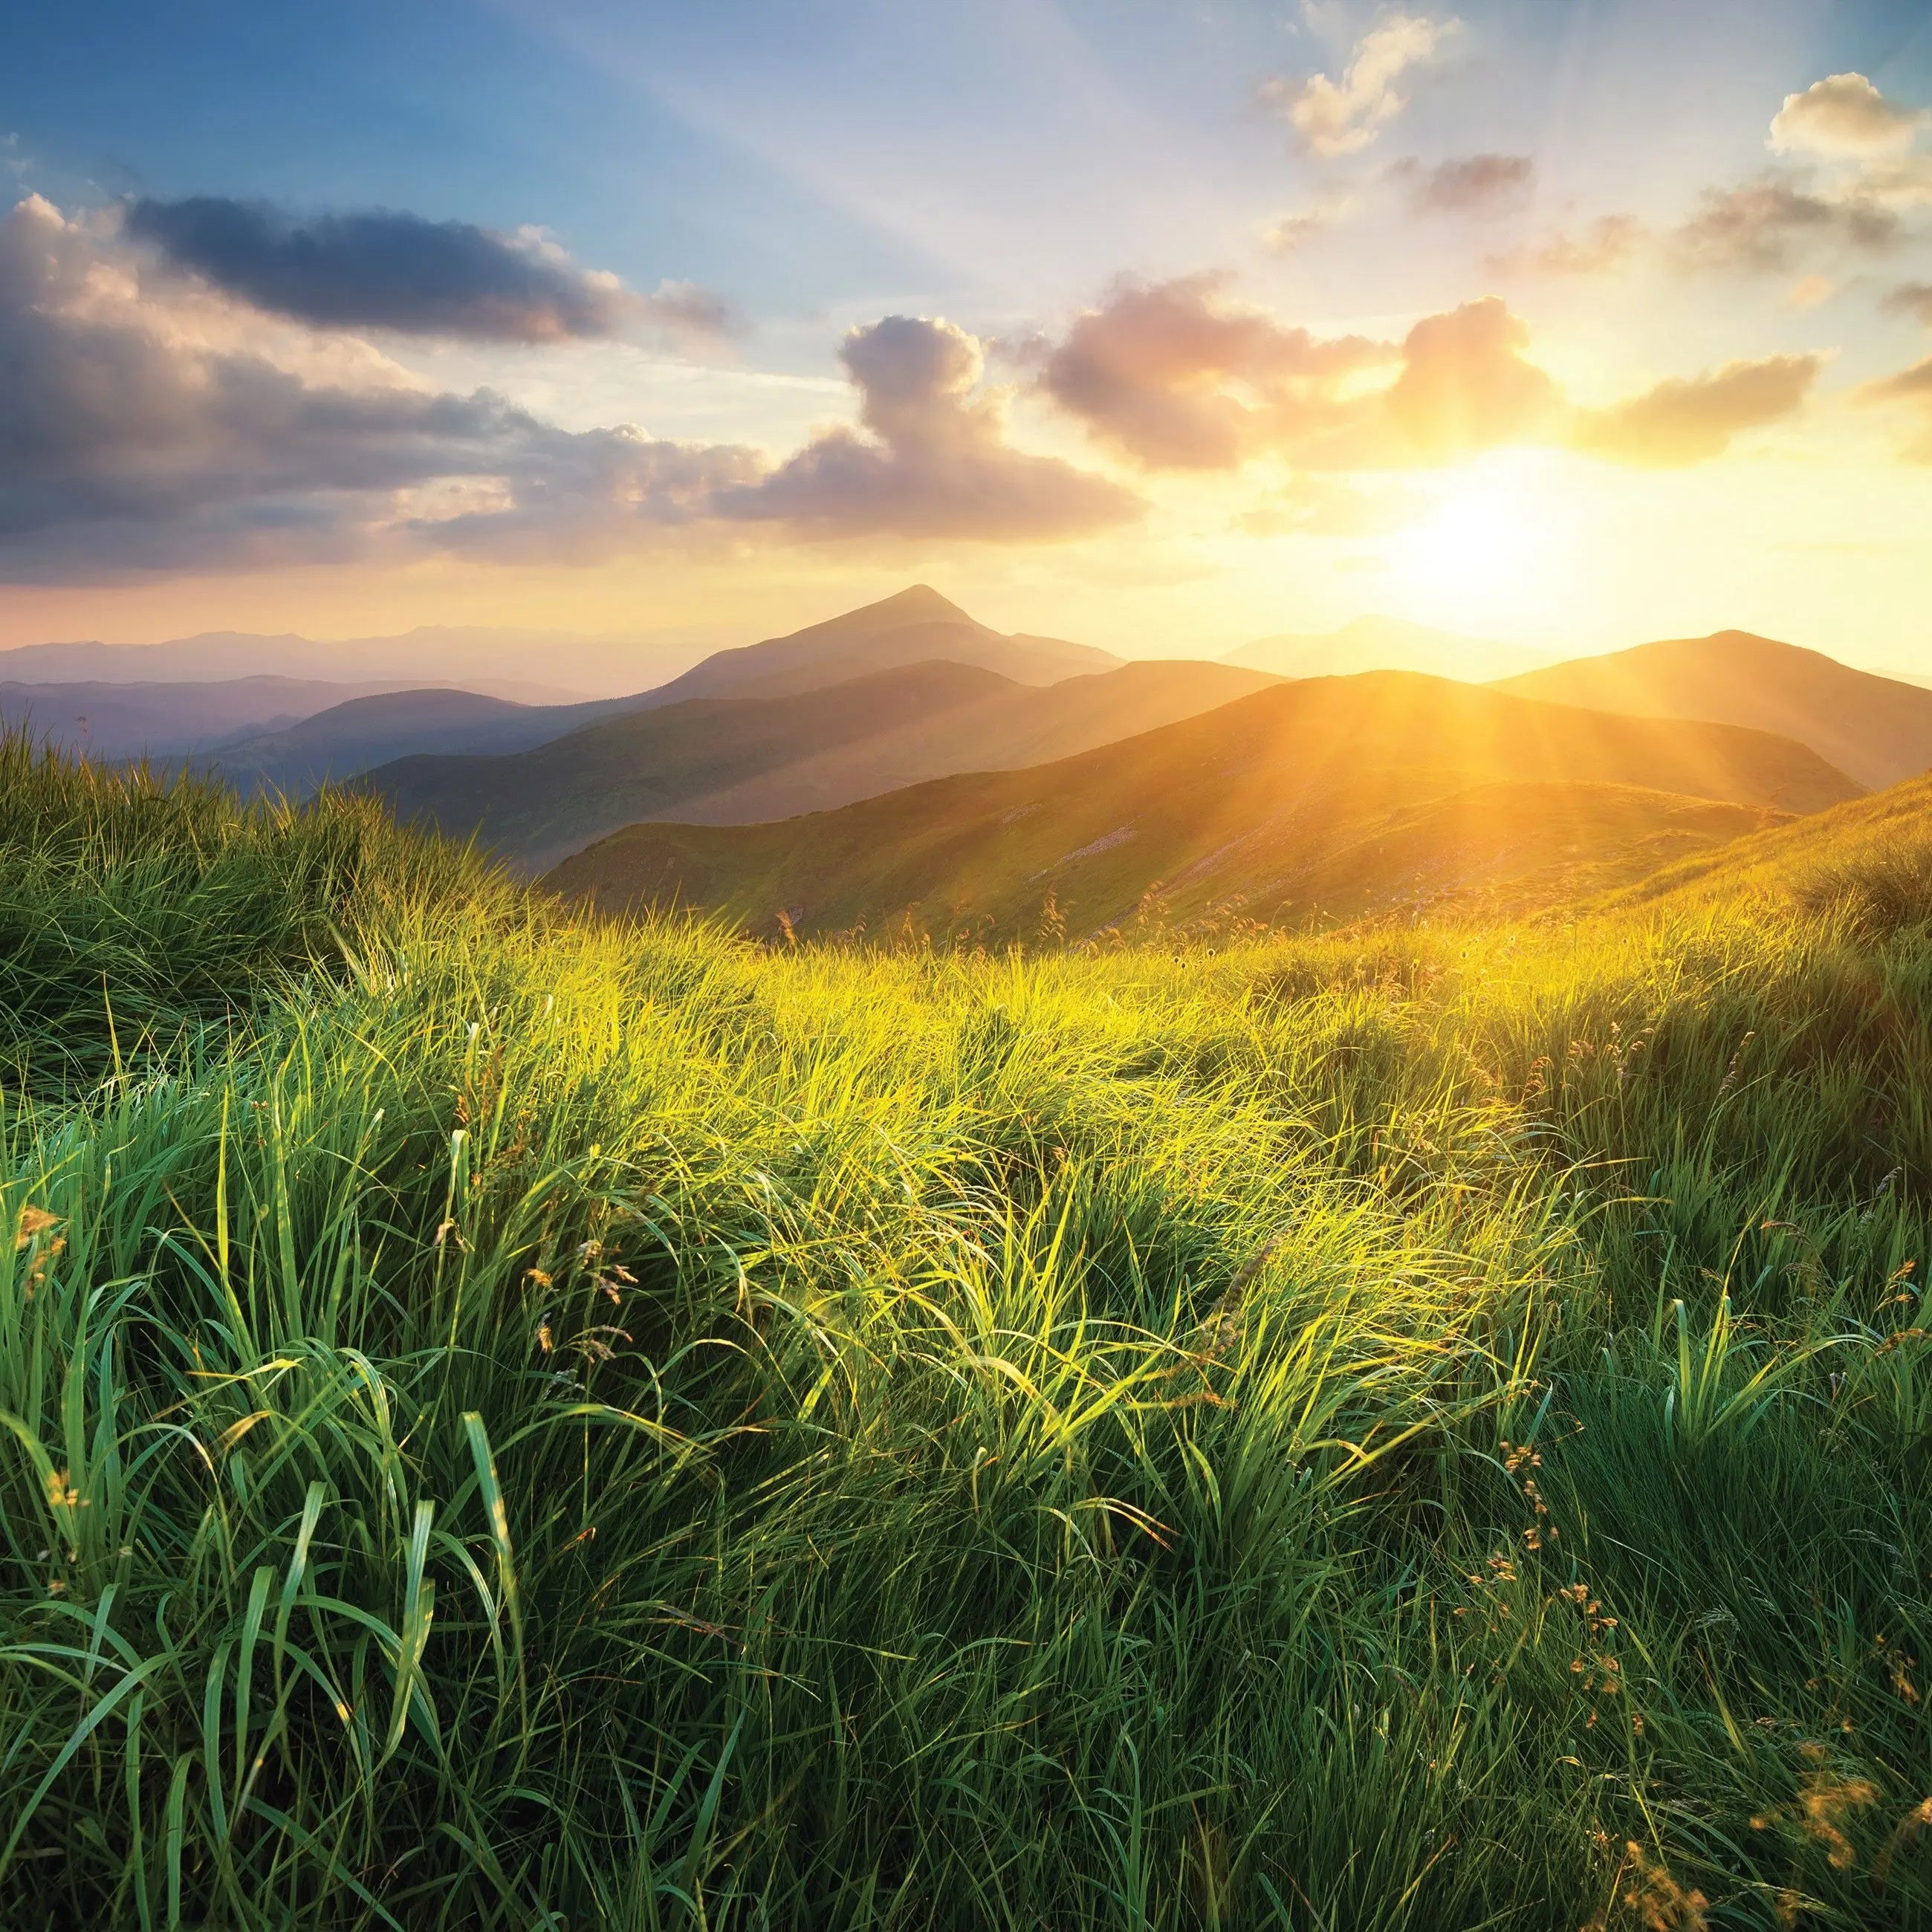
pixel 514 1424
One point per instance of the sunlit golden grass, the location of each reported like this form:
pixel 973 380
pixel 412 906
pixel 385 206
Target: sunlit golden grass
pixel 507 1422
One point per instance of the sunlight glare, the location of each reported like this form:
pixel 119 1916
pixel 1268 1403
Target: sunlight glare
pixel 1487 558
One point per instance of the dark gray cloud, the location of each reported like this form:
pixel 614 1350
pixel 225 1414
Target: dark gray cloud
pixel 1470 184
pixel 128 442
pixel 935 461
pixel 386 269
pixel 1765 223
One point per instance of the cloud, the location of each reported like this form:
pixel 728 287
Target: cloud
pixel 1845 114
pixel 1911 298
pixel 1175 376
pixel 390 270
pixel 137 435
pixel 1605 245
pixel 1331 118
pixel 1466 385
pixel 1759 224
pixel 1472 183
pixel 1284 236
pixel 935 462
pixel 1913 387
pixel 1691 421
pixel 151 424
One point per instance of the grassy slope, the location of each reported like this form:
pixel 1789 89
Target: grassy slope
pixel 522 1419
pixel 131 908
pixel 1253 801
pixel 1878 730
pixel 736 761
pixel 1869 859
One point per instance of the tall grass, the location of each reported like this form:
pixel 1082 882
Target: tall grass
pixel 505 1422
pixel 133 905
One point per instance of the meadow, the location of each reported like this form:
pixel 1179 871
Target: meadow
pixel 511 1421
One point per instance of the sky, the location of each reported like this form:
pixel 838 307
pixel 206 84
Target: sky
pixel 1164 325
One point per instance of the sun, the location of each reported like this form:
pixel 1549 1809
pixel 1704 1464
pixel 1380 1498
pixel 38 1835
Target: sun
pixel 1489 555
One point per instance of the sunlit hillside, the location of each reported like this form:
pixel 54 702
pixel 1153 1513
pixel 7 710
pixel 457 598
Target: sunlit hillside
pixel 506 1419
pixel 1327 795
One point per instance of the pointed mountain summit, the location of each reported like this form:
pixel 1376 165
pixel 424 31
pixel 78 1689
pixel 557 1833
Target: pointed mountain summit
pixel 916 625
pixel 1877 729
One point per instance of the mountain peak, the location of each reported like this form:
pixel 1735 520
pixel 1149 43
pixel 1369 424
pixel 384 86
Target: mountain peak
pixel 916 604
pixel 1875 728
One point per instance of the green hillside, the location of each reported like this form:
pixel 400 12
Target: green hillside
pixel 508 1422
pixel 1870 859
pixel 1316 795
pixel 723 761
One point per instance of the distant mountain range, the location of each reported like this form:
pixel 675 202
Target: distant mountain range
pixel 166 721
pixel 915 625
pixel 906 754
pixel 733 760
pixel 474 658
pixel 342 742
pixel 1385 644
pixel 1339 793
pixel 918 626
pixel 1879 730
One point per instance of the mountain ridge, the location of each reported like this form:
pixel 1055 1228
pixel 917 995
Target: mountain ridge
pixel 1376 643
pixel 1878 730
pixel 731 759
pixel 1238 801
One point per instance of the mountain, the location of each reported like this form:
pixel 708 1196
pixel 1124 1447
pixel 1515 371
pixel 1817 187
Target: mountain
pixel 1383 643
pixel 345 740
pixel 1877 729
pixel 115 721
pixel 1261 801
pixel 1898 676
pixel 498 661
pixel 916 626
pixel 730 760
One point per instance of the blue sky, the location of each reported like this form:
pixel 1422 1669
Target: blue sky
pixel 816 168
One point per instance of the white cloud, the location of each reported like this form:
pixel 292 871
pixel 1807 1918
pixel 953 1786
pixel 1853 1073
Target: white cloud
pixel 1845 114
pixel 1331 117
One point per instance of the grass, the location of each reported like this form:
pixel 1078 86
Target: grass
pixel 505 1422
